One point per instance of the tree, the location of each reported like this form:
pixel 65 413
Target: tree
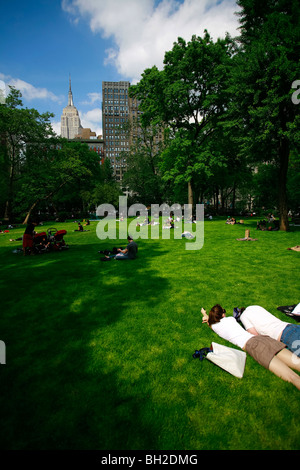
pixel 19 128
pixel 38 168
pixel 187 96
pixel 50 170
pixel 265 68
pixel 104 190
pixel 142 162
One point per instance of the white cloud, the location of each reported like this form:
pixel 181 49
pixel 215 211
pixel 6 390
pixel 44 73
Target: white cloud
pixel 2 91
pixel 93 98
pixel 56 127
pixel 92 120
pixel 143 30
pixel 30 92
pixel 69 8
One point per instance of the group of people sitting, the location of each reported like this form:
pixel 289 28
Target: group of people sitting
pixel 271 342
pixel 80 227
pixel 147 222
pixel 232 221
pixel 270 223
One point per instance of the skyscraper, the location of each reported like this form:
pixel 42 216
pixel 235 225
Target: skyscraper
pixel 118 109
pixel 115 112
pixel 70 120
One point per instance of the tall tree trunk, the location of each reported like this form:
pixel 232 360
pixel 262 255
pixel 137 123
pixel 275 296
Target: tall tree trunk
pixel 190 201
pixel 217 200
pixel 282 197
pixel 44 199
pixel 29 212
pixel 190 193
pixel 8 203
pixel 7 211
pixel 233 198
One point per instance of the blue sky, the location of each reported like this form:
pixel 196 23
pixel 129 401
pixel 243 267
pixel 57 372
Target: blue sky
pixel 43 41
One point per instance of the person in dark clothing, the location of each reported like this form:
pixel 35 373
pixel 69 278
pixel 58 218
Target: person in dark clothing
pixel 80 228
pixel 129 252
pixel 28 238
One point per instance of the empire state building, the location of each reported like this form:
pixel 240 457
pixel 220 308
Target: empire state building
pixel 70 120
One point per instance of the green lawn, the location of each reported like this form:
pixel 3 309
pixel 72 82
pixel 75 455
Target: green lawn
pixel 99 355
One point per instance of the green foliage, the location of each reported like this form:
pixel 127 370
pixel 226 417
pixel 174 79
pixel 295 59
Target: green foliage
pixel 187 96
pixel 143 175
pixel 293 186
pixel 39 170
pixel 227 108
pixel 266 66
pixel 19 128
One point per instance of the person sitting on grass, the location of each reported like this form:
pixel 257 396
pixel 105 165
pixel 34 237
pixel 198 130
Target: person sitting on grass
pixel 80 228
pixel 258 321
pixel 268 352
pixel 129 252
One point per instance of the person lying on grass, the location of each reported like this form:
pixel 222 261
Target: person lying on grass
pixel 268 352
pixel 258 321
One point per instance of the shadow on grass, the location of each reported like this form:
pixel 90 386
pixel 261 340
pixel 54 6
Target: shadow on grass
pixel 58 310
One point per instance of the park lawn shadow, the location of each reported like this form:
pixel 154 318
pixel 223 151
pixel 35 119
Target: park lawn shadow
pixel 58 309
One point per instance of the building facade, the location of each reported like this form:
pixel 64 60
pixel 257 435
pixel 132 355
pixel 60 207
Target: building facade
pixel 93 141
pixel 116 111
pixel 70 120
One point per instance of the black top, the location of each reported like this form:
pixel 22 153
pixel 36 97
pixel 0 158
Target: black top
pixel 132 250
pixel 30 229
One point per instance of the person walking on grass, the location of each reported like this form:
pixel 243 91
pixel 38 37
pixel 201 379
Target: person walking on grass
pixel 268 352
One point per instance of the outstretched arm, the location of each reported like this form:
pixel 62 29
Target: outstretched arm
pixel 204 315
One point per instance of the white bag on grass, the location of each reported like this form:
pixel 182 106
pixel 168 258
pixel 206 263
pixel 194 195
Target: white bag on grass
pixel 229 359
pixel 296 310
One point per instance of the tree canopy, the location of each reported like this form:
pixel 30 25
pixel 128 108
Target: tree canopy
pixel 40 170
pixel 227 110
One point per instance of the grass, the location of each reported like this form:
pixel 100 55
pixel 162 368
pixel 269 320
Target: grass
pixel 99 355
